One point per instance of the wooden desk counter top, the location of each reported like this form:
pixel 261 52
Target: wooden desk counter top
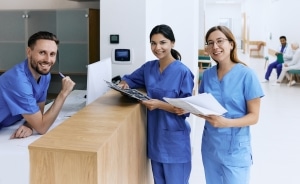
pixel 105 142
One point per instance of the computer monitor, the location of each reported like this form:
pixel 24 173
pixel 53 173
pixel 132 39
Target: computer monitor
pixel 122 56
pixel 97 74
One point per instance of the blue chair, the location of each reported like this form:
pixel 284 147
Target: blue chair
pixel 202 66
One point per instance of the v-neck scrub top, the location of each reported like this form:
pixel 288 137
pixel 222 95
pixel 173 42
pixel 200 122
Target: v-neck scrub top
pixel 168 135
pixel 20 93
pixel 231 146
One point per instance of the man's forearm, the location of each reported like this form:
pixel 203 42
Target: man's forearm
pixel 51 114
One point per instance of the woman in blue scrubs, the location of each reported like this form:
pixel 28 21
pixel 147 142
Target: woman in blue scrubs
pixel 226 141
pixel 168 140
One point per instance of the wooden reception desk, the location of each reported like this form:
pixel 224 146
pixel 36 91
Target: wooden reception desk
pixel 104 143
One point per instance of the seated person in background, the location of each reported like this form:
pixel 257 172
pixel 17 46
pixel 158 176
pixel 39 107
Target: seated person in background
pixel 293 65
pixel 287 52
pixel 23 88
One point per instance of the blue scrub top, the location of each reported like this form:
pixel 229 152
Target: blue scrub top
pixel 20 93
pixel 168 134
pixel 237 87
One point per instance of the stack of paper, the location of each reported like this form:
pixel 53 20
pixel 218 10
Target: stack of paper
pixel 204 104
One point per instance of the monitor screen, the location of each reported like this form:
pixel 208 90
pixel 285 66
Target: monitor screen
pixel 97 74
pixel 122 55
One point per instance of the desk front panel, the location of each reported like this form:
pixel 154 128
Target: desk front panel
pixel 104 143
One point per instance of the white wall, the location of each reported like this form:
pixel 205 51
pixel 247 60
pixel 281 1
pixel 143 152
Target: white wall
pixel 134 25
pixel 186 32
pixel 126 18
pixel 288 19
pixel 202 20
pixel 270 19
pixel 265 18
pixel 154 12
pixel 183 17
pixel 134 21
pixel 284 17
pixel 215 12
pixel 257 18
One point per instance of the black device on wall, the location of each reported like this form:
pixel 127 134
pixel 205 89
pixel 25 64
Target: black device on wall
pixel 114 38
pixel 122 56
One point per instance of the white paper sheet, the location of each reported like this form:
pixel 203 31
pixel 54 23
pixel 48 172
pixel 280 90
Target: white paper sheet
pixel 204 104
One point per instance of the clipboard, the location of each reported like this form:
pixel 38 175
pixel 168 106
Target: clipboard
pixel 132 93
pixel 280 58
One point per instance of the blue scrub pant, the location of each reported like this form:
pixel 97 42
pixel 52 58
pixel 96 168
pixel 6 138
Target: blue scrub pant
pixel 271 66
pixel 174 173
pixel 218 173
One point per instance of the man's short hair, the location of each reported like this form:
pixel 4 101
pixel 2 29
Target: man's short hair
pixel 282 37
pixel 41 35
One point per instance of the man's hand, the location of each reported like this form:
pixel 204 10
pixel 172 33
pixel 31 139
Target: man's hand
pixel 22 132
pixel 67 85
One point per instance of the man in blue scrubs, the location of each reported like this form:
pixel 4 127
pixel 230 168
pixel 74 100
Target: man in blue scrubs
pixel 23 88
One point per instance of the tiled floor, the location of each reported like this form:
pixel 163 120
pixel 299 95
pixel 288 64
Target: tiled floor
pixel 275 138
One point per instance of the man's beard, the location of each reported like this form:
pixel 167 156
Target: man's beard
pixel 36 68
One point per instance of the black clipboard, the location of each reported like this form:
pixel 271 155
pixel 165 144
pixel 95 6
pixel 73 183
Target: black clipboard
pixel 133 93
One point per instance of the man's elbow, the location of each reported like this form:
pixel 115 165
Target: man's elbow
pixel 41 131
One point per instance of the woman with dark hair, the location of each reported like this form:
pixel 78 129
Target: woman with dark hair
pixel 226 140
pixel 168 134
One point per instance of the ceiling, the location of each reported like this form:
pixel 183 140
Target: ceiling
pixel 224 1
pixel 206 1
pixel 85 0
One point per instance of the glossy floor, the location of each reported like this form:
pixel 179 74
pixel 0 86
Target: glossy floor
pixel 275 138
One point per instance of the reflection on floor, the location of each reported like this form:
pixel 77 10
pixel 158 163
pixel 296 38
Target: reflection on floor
pixel 275 138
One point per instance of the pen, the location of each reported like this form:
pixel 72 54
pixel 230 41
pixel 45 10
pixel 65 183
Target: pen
pixel 62 75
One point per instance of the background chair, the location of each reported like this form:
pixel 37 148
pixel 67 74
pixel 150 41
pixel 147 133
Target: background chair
pixel 204 62
pixel 257 50
pixel 294 75
pixel 266 61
